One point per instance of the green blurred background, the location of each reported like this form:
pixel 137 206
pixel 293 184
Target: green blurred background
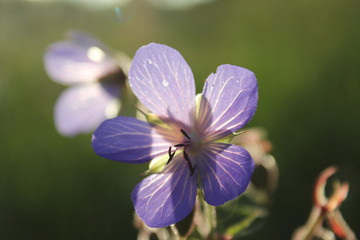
pixel 305 53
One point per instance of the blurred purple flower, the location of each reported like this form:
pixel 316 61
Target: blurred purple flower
pixel 95 80
pixel 186 137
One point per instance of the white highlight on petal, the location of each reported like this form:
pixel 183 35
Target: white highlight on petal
pixel 112 108
pixel 96 54
pixel 165 83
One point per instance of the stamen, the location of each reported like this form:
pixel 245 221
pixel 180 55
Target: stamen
pixel 185 134
pixel 179 145
pixel 169 151
pixel 171 155
pixel 187 159
pixel 186 155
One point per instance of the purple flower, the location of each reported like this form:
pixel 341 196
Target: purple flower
pixel 95 80
pixel 188 138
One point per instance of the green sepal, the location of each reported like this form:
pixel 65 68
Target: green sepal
pixel 229 137
pixel 158 164
pixel 153 119
pixel 226 139
pixel 198 98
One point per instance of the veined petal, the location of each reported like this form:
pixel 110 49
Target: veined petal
pixel 129 140
pixel 163 82
pixel 230 95
pixel 225 172
pixel 81 59
pixel 166 198
pixel 80 109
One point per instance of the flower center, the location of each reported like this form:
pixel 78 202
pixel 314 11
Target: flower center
pixel 185 145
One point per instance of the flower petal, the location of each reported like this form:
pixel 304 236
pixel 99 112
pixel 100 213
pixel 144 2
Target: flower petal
pixel 166 198
pixel 225 172
pixel 81 59
pixel 129 140
pixel 84 40
pixel 163 82
pixel 81 109
pixel 231 96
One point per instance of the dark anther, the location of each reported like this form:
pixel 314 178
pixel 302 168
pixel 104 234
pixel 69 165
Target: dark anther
pixel 186 156
pixel 169 151
pixel 171 155
pixel 179 145
pixel 185 134
pixel 187 159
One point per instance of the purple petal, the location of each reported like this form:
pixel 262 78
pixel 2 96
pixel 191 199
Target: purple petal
pixel 166 198
pixel 81 59
pixel 225 172
pixel 81 109
pixel 129 140
pixel 84 40
pixel 163 82
pixel 231 96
